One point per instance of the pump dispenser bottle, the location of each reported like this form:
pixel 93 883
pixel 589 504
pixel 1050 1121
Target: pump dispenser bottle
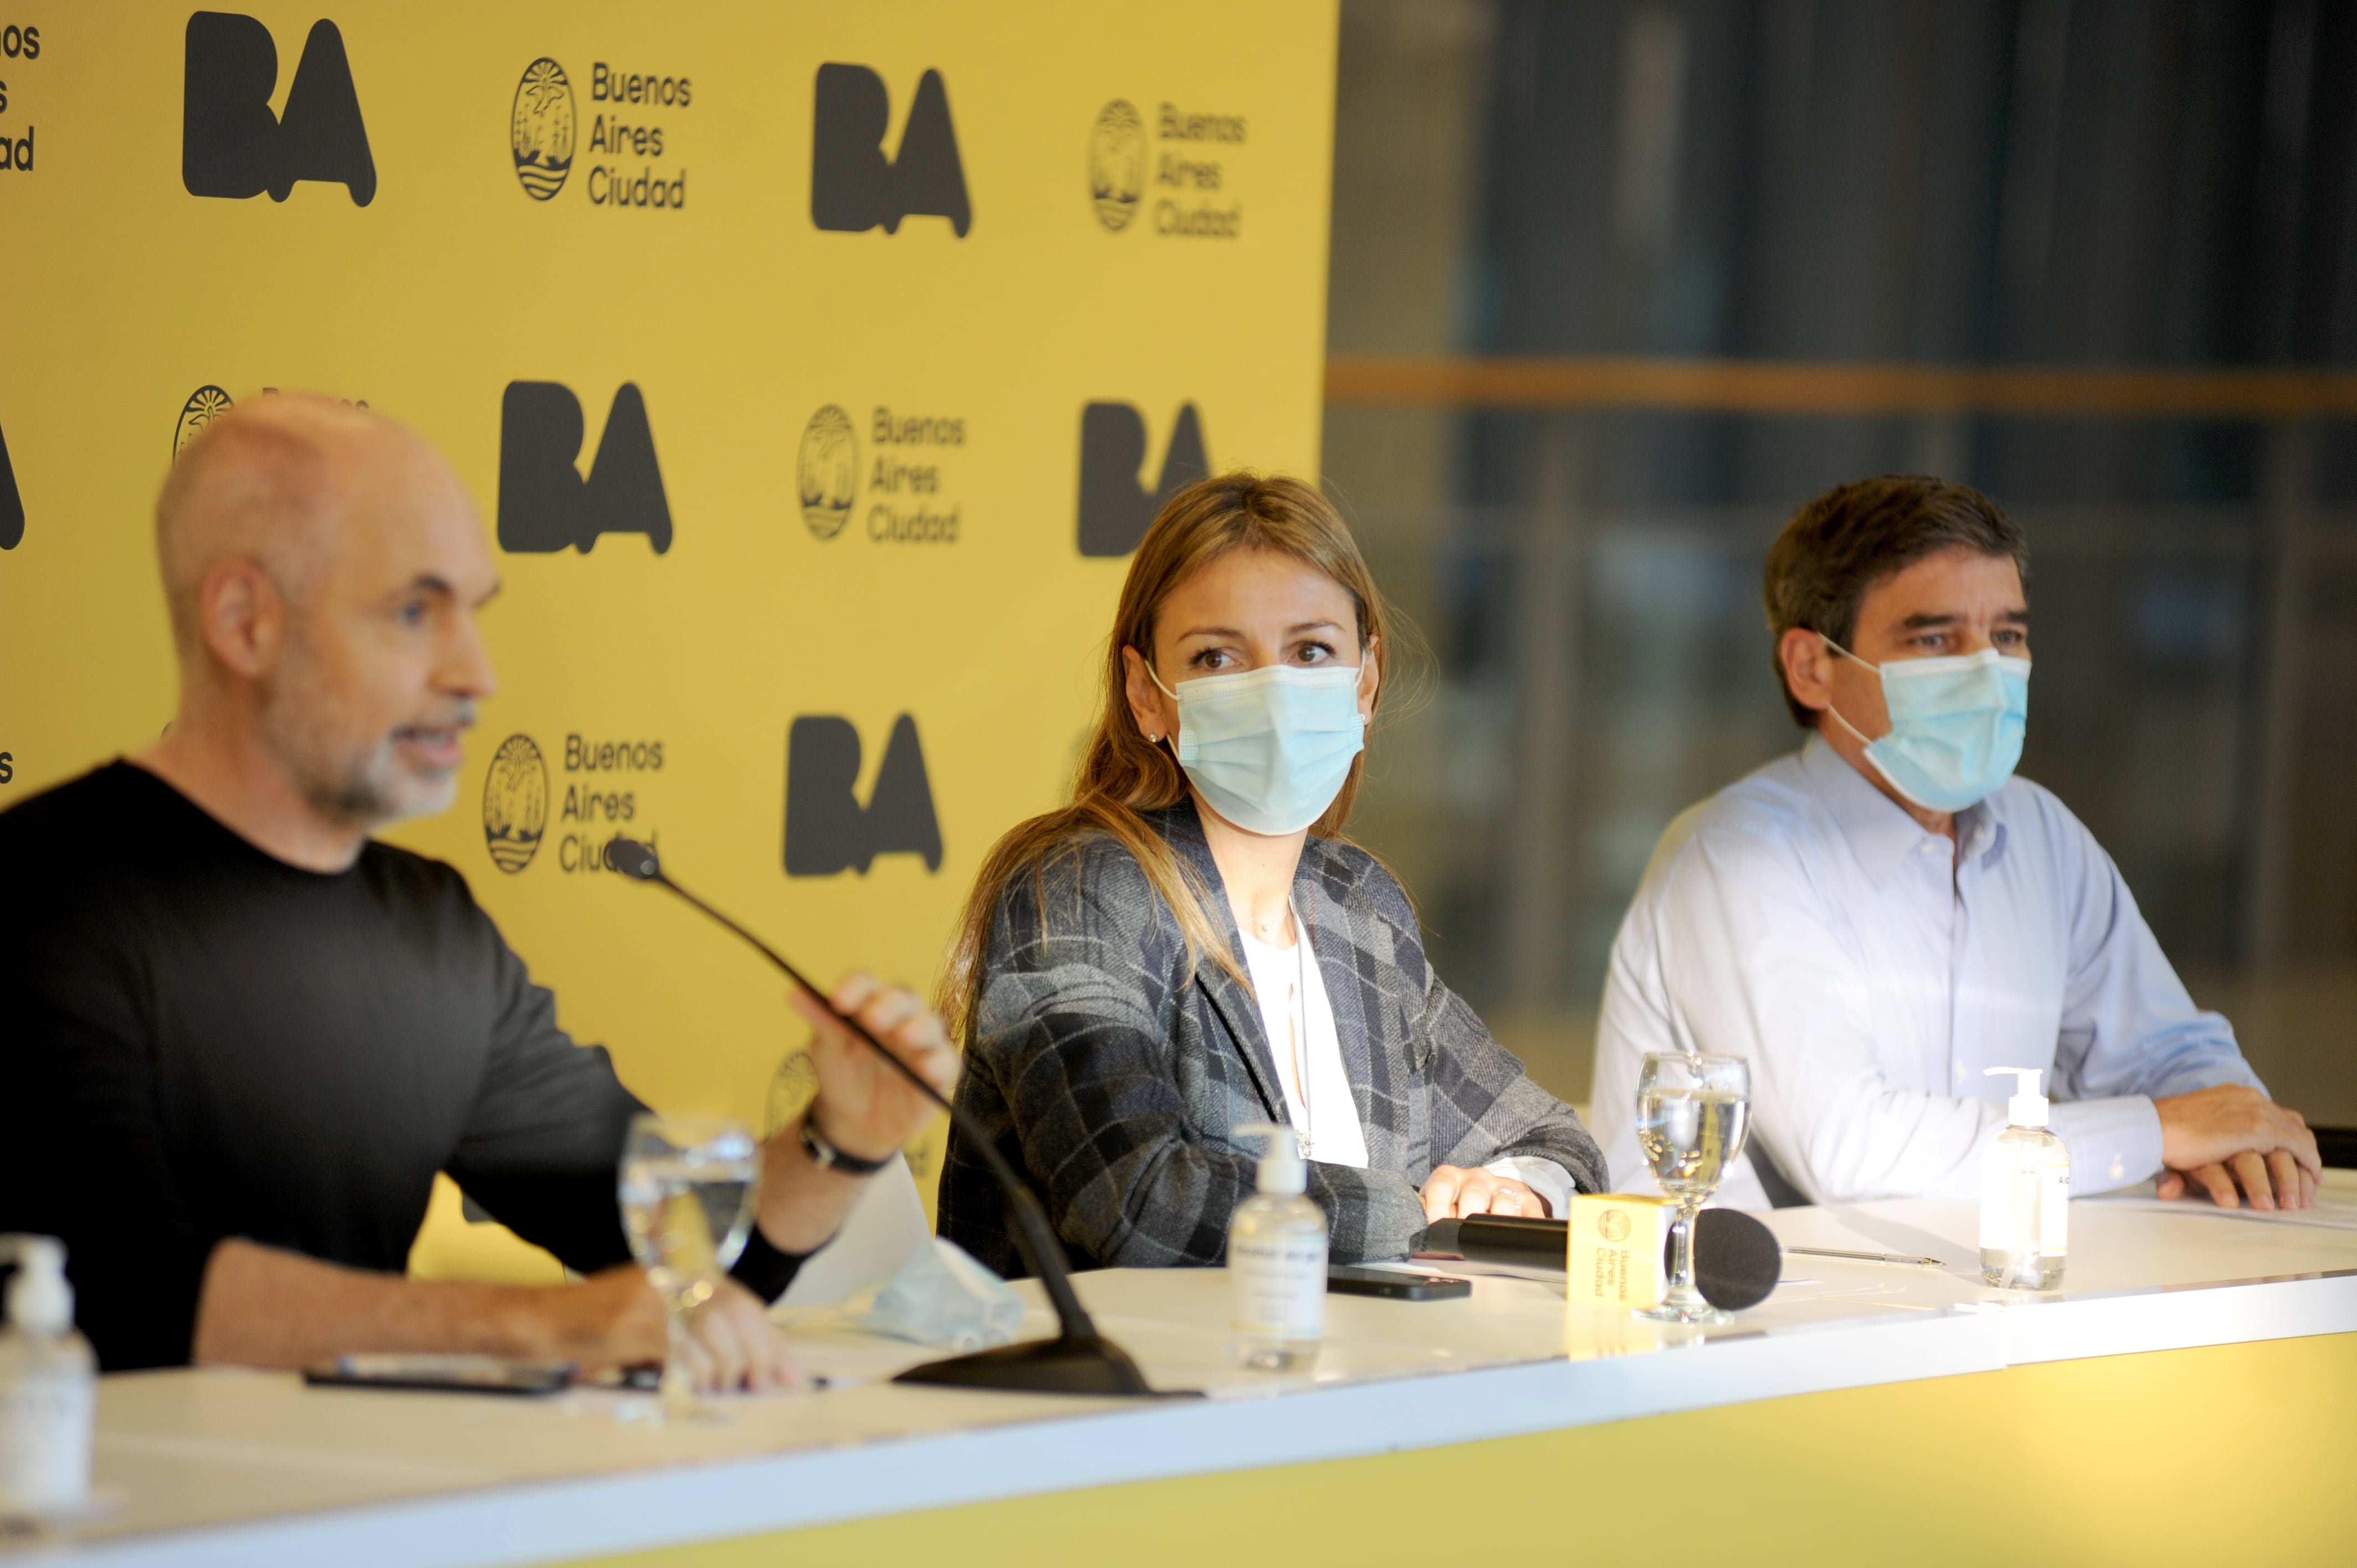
pixel 48 1388
pixel 1277 1260
pixel 2025 1193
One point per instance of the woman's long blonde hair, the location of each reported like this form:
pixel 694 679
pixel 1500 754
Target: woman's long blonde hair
pixel 1123 775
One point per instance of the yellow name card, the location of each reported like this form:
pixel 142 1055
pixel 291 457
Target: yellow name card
pixel 1616 1245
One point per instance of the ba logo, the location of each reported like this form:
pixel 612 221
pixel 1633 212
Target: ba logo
pixel 827 830
pixel 204 405
pixel 539 130
pixel 11 506
pixel 544 504
pixel 1117 163
pixel 515 803
pixel 827 472
pixel 1116 507
pixel 853 186
pixel 1613 1225
pixel 232 146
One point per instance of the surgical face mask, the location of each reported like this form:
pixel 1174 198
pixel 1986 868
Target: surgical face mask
pixel 1269 747
pixel 1955 725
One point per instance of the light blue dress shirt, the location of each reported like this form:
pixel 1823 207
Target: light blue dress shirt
pixel 1871 971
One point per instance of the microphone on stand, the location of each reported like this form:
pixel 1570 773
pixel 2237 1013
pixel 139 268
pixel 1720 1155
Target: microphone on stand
pixel 1079 1360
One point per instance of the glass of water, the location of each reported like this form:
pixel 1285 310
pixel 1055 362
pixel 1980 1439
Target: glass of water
pixel 687 1190
pixel 1691 1114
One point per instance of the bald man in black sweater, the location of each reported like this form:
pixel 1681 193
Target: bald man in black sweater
pixel 242 1036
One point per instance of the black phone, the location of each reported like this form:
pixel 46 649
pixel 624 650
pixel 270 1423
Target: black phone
pixel 1394 1286
pixel 441 1374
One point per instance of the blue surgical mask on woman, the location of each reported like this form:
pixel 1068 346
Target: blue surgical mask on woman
pixel 1270 748
pixel 1955 725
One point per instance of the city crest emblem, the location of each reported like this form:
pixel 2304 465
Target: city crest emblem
pixel 515 803
pixel 204 405
pixel 541 129
pixel 827 473
pixel 1117 164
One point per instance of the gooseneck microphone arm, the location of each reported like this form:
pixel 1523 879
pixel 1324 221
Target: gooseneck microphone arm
pixel 1080 1360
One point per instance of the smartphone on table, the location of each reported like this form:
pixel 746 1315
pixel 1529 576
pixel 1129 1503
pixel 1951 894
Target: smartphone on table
pixel 441 1374
pixel 1394 1285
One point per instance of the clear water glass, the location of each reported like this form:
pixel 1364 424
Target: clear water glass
pixel 1692 1112
pixel 687 1190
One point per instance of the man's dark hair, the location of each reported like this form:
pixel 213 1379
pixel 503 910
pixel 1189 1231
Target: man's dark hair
pixel 1852 536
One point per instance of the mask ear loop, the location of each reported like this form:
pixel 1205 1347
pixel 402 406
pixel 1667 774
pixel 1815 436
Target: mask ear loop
pixel 1853 659
pixel 1156 739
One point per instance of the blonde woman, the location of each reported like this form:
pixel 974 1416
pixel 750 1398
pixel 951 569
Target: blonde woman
pixel 1192 946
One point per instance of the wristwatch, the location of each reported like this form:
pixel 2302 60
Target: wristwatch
pixel 827 1157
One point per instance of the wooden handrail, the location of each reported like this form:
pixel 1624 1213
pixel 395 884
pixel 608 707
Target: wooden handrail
pixel 1766 386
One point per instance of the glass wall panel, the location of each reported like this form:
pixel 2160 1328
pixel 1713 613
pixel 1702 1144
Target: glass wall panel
pixel 2051 184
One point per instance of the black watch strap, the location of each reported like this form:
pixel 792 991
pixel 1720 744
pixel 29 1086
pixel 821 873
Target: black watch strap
pixel 827 1157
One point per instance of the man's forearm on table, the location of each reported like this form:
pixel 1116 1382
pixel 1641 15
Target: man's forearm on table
pixel 262 1307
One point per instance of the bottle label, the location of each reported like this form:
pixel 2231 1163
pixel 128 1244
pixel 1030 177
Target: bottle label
pixel 45 1427
pixel 1280 1286
pixel 2054 1210
pixel 2025 1211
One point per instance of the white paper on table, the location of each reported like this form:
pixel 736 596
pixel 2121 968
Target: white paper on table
pixel 884 1229
pixel 2336 1209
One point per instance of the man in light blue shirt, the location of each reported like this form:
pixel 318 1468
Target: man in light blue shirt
pixel 1877 920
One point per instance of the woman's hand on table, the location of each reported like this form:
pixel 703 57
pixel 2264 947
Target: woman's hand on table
pixel 1452 1192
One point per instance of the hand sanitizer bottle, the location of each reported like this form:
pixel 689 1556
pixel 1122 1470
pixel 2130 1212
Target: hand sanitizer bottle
pixel 1277 1260
pixel 48 1388
pixel 2025 1193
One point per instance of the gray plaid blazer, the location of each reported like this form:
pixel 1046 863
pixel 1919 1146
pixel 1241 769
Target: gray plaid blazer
pixel 1115 1084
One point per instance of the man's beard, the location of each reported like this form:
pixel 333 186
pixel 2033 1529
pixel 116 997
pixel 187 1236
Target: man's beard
pixel 365 790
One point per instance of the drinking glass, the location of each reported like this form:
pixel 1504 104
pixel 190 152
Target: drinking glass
pixel 1691 1114
pixel 687 1185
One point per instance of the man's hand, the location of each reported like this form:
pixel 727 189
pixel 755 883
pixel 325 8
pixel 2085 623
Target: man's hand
pixel 864 1107
pixel 1452 1192
pixel 732 1346
pixel 614 1318
pixel 264 1307
pixel 2214 1139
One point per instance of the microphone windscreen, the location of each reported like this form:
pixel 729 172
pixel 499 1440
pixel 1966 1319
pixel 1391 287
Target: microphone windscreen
pixel 632 859
pixel 1737 1260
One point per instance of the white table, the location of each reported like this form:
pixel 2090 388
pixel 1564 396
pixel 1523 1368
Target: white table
pixel 252 1469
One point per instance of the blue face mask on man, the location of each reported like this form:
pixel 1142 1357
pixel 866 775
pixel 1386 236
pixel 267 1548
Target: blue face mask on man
pixel 1955 725
pixel 1270 748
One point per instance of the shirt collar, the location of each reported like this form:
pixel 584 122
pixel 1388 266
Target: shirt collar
pixel 1980 829
pixel 1879 832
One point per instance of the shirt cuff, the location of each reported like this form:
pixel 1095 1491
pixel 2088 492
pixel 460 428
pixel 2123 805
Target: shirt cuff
pixel 763 1269
pixel 2113 1142
pixel 1546 1177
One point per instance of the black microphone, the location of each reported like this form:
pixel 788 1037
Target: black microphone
pixel 1079 1360
pixel 1737 1260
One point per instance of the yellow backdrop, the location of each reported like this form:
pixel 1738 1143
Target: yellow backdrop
pixel 832 290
